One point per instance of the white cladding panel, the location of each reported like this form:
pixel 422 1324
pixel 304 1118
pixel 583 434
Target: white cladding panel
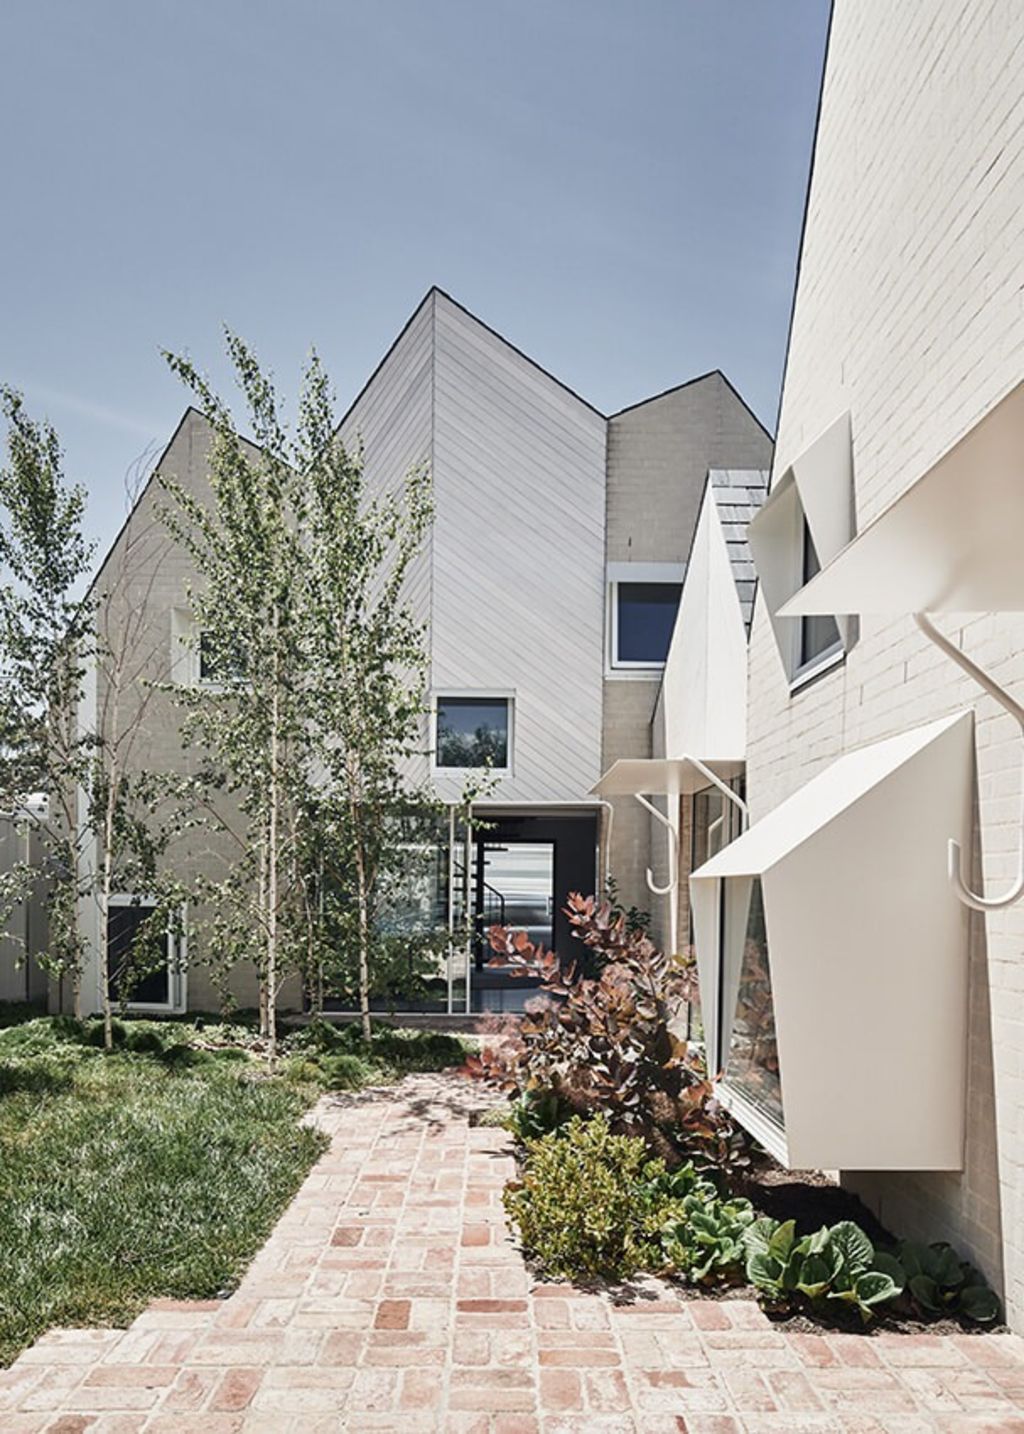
pixel 518 553
pixel 704 693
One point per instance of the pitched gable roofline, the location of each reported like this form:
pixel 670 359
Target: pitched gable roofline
pixel 190 409
pixel 435 291
pixel 700 378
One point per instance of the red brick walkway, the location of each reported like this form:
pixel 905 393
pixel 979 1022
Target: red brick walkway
pixel 390 1297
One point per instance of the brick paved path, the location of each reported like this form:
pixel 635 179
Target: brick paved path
pixel 389 1297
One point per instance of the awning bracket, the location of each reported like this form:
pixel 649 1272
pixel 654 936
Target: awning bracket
pixel 1016 711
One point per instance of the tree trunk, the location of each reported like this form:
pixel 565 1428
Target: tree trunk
pixel 272 858
pixel 364 944
pixel 106 881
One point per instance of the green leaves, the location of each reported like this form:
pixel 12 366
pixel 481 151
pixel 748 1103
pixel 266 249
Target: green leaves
pixel 842 1265
pixel 939 1282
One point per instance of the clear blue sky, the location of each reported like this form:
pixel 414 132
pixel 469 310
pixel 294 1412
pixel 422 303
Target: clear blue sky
pixel 617 186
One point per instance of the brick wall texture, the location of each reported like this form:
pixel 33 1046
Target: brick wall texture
pixel 910 313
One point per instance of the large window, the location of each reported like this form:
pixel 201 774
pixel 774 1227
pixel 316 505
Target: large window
pixel 819 636
pixel 473 732
pixel 752 1068
pixel 643 617
pixel 141 956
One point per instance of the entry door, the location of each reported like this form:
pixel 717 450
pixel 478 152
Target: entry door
pixel 514 887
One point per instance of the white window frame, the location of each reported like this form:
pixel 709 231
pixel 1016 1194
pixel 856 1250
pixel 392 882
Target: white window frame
pixel 476 694
pixel 177 958
pixel 617 575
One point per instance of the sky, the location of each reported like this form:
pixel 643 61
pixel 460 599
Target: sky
pixel 616 186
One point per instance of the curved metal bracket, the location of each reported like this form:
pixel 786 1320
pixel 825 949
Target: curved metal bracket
pixel 673 850
pixel 1016 711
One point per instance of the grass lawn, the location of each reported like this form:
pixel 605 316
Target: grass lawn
pixel 135 1174
pixel 161 1168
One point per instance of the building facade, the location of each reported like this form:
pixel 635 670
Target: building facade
pixel 548 585
pixel 867 748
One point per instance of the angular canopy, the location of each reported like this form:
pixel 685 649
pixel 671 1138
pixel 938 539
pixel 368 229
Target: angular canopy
pixel 661 776
pixel 951 543
pixel 866 949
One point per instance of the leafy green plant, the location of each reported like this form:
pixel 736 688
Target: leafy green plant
pixel 536 1113
pixel 583 1204
pixel 703 1236
pixel 939 1282
pixel 838 1263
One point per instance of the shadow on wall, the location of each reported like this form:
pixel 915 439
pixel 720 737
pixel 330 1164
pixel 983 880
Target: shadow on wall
pixel 964 1208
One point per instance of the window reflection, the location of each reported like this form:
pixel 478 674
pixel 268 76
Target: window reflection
pixel 753 1067
pixel 472 732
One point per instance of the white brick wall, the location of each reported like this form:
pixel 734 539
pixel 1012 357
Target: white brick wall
pixel 910 312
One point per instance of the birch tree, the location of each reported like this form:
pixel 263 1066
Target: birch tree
pixel 301 598
pixel 249 606
pixel 47 638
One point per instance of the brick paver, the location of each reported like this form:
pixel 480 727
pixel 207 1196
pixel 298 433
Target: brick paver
pixel 391 1297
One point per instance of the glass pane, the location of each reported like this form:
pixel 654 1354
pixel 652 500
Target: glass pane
pixel 216 665
pixel 124 924
pixel 753 1067
pixel 646 617
pixel 818 635
pixel 516 889
pixel 472 732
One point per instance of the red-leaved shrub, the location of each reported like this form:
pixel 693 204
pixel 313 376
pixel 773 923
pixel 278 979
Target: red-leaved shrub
pixel 608 1044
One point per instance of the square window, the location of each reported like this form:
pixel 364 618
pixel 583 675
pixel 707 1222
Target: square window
pixel 473 732
pixel 218 666
pixel 645 615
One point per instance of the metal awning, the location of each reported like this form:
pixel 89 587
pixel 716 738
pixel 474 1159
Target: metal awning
pixel 951 543
pixel 664 776
pixel 862 926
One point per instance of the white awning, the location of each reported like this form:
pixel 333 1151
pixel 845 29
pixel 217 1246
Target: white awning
pixel 952 542
pixel 816 486
pixel 662 776
pixel 866 950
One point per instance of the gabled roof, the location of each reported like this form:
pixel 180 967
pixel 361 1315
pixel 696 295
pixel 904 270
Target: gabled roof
pixel 738 494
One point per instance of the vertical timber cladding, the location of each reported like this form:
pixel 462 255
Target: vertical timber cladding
pixel 659 454
pixel 907 314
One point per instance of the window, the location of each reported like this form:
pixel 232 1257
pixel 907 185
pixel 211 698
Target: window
pixel 473 732
pixel 142 968
pixel 807 518
pixel 217 666
pixel 819 636
pixel 644 615
pixel 752 1067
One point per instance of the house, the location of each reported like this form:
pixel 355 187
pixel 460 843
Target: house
pixel 860 943
pixel 692 783
pixel 549 584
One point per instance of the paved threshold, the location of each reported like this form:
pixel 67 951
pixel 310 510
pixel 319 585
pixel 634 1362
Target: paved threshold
pixel 391 1297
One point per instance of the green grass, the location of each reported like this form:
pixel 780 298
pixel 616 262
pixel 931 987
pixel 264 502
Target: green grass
pixel 156 1170
pixel 338 1058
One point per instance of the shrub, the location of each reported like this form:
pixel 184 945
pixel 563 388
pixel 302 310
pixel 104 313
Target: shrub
pixel 581 1206
pixel 144 1041
pixel 607 1044
pixel 702 1238
pixel 345 1071
pixel 839 1264
pixel 939 1282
